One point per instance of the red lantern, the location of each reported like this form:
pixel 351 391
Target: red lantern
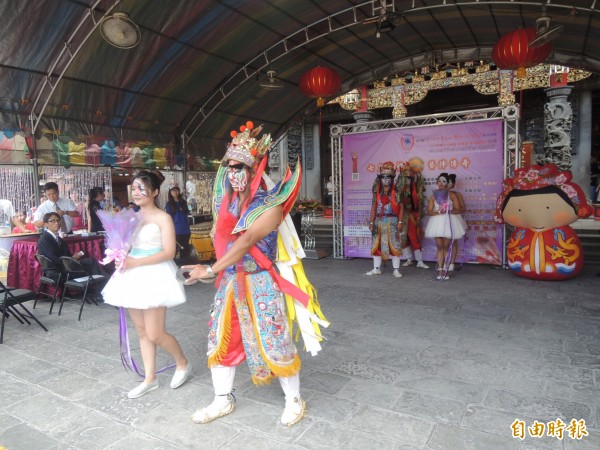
pixel 512 51
pixel 320 82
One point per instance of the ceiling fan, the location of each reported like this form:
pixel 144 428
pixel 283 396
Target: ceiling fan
pixel 272 83
pixel 120 31
pixel 545 32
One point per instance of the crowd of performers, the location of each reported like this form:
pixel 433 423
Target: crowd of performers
pixel 262 290
pixel 397 212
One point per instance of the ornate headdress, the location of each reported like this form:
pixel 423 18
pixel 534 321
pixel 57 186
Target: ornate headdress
pixel 246 147
pixel 387 168
pixel 538 177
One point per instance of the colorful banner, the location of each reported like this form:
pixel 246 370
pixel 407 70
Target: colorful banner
pixel 473 151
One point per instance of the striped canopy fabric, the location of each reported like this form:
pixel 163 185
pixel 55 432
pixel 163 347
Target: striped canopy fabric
pixel 197 71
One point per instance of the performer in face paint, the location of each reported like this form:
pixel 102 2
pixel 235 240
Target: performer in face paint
pixel 250 316
pixel 147 284
pixel 385 221
pixel 443 225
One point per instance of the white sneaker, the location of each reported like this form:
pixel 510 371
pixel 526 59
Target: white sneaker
pixel 375 271
pixel 407 263
pixel 294 411
pixel 143 388
pixel 451 268
pixel 422 265
pixel 221 406
pixel 397 273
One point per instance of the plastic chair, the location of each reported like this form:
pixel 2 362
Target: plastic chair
pixel 9 300
pixel 52 275
pixel 80 280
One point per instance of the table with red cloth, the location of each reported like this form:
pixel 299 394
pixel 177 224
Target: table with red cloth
pixel 24 272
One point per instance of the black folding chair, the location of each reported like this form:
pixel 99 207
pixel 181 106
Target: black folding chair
pixel 9 300
pixel 78 279
pixel 52 275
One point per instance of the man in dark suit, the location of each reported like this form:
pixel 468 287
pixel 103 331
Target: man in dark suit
pixel 53 247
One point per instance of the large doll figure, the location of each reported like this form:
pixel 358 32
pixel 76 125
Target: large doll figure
pixel 541 202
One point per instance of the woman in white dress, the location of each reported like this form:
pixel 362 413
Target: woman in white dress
pixel 147 285
pixel 444 224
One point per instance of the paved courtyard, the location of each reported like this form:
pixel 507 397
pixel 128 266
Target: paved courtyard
pixel 410 363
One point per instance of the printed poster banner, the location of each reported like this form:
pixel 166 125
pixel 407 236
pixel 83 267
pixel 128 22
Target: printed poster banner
pixel 473 151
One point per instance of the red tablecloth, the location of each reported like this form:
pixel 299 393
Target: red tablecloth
pixel 24 272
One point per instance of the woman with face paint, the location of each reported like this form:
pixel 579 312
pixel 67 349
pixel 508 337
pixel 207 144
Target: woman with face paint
pixel 147 285
pixel 443 225
pixel 385 221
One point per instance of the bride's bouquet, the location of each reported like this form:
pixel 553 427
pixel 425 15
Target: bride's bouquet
pixel 442 198
pixel 119 228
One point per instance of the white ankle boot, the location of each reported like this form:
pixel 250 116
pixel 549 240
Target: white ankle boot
pixel 221 406
pixel 294 411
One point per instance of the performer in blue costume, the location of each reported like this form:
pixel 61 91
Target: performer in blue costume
pixel 255 303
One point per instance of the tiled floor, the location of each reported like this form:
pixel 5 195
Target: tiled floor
pixel 410 363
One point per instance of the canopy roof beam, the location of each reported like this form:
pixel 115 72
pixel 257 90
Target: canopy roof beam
pixel 61 63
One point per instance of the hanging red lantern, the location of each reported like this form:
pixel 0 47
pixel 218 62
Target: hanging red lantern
pixel 320 82
pixel 512 51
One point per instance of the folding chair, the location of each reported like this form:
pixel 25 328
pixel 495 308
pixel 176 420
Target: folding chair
pixel 9 300
pixel 52 275
pixel 78 279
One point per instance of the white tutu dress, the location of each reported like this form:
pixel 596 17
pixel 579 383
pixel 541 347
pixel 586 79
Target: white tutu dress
pixel 148 286
pixel 449 226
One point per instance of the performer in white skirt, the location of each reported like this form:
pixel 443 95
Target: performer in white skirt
pixel 147 285
pixel 444 225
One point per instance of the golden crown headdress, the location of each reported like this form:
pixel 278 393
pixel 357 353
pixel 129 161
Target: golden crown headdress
pixel 246 147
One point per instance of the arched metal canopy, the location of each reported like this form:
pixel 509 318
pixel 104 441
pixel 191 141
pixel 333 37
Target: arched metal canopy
pixel 197 70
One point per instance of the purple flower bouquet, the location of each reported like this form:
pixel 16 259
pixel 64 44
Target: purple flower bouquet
pixel 442 198
pixel 119 228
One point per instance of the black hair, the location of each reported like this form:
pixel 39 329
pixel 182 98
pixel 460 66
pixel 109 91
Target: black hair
pixel 150 179
pixel 93 193
pixel 545 190
pixel 452 179
pixel 50 185
pixel 175 203
pixel 47 216
pixel 443 175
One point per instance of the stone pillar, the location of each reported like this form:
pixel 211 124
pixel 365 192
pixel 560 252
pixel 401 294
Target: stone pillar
pixel 581 159
pixel 558 119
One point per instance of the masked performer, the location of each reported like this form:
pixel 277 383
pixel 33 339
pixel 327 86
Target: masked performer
pixel 411 190
pixel 254 304
pixel 385 221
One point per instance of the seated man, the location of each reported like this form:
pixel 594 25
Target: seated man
pixel 53 247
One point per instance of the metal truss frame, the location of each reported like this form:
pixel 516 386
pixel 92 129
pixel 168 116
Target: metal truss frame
pixel 332 23
pixel 511 153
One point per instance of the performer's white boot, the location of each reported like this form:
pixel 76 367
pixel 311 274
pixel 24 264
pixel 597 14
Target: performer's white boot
pixel 376 266
pixel 223 402
pixel 419 258
pixel 407 254
pixel 295 407
pixel 396 266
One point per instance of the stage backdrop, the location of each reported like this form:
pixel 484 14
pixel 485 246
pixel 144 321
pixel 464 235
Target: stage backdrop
pixel 473 151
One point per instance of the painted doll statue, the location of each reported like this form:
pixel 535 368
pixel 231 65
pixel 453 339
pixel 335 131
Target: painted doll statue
pixel 541 202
